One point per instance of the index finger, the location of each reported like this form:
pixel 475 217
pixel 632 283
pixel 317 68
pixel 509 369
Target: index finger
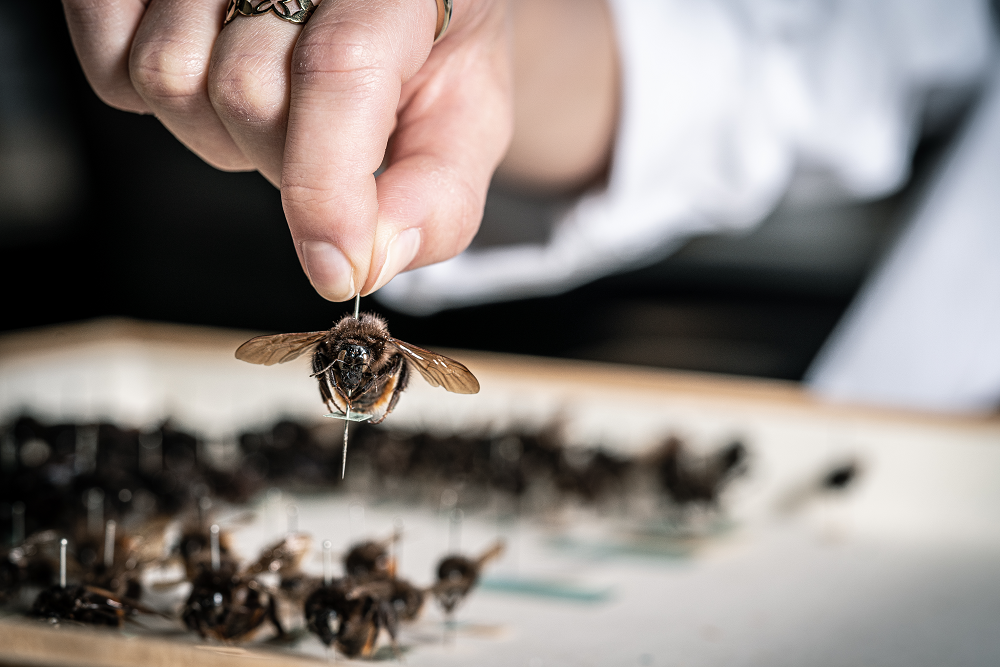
pixel 348 67
pixel 102 33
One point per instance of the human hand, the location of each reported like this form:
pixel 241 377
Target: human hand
pixel 318 108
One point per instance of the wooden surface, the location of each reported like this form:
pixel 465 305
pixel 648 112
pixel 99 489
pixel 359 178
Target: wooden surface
pixel 26 642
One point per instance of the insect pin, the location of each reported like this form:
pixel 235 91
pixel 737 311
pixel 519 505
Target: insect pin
pixel 361 369
pixel 690 480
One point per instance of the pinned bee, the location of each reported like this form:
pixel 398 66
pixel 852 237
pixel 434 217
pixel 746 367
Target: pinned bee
pixel 457 575
pixel 233 604
pixel 361 369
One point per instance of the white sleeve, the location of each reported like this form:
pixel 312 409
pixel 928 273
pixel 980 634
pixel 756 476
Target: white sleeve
pixel 721 101
pixel 924 333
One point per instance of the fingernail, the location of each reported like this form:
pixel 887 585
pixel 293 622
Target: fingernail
pixel 402 249
pixel 328 270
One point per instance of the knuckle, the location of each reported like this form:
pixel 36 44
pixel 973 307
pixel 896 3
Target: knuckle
pixel 349 51
pixel 169 75
pixel 246 92
pixel 302 199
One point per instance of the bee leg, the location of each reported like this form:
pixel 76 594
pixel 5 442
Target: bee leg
pixel 390 621
pixel 272 615
pixel 363 389
pixel 327 396
pixel 396 653
pixel 323 627
pixel 400 387
pixel 396 367
pixel 324 392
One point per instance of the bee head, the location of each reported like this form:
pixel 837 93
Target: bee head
pixel 353 363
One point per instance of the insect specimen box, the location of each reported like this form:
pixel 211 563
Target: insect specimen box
pixel 785 568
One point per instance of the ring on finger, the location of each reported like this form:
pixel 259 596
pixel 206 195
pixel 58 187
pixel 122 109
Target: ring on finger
pixel 443 19
pixel 299 11
pixel 293 11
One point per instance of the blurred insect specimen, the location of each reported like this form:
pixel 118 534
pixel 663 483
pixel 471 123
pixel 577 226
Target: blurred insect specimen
pixel 284 556
pixel 227 603
pixel 833 479
pixel 840 476
pixel 348 615
pixel 371 558
pixel 407 600
pixel 33 562
pixel 370 561
pixel 200 546
pixel 591 475
pixel 456 576
pixel 82 604
pixel 689 480
pixel 361 368
pixel 125 555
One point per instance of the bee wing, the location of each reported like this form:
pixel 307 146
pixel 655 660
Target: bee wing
pixel 437 369
pixel 288 553
pixel 279 348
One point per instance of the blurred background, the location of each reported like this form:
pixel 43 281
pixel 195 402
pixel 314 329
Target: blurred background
pixel 104 213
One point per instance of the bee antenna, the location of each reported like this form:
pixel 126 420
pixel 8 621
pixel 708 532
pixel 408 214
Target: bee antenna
pixel 328 367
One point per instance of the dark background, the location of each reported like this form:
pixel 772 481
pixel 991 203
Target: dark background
pixel 104 213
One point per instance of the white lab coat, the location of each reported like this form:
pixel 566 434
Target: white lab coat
pixel 722 102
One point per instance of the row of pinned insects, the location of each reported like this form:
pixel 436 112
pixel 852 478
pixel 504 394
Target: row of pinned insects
pixel 58 471
pixel 228 600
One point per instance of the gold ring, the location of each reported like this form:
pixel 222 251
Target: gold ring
pixel 444 18
pixel 293 11
pixel 299 11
